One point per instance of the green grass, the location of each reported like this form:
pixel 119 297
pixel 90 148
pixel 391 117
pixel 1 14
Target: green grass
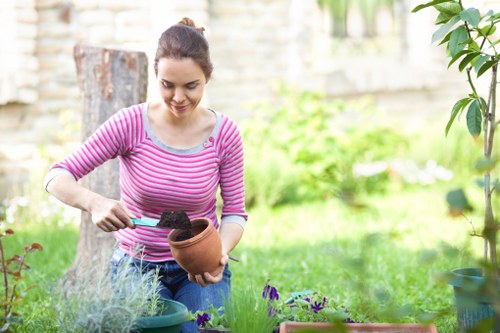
pixel 376 262
pixel 384 263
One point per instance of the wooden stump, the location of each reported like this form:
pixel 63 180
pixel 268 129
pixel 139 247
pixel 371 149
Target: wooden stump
pixel 109 80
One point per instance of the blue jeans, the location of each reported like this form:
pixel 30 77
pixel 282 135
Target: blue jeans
pixel 176 286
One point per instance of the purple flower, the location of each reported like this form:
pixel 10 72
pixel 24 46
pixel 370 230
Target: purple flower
pixel 270 292
pixel 317 307
pixel 202 319
pixel 271 311
pixel 348 319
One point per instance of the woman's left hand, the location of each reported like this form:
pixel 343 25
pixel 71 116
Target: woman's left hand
pixel 210 278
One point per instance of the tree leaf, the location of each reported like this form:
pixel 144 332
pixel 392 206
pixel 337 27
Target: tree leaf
pixel 457 108
pixel 457 202
pixel 445 39
pixel 429 4
pixel 449 8
pixel 445 28
pixel 483 165
pixel 458 56
pixel 480 61
pixel 487 65
pixel 467 59
pixel 471 16
pixel 447 11
pixel 457 40
pixel 474 119
pixel 487 30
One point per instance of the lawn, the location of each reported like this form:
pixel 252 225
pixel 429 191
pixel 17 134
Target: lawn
pixel 384 262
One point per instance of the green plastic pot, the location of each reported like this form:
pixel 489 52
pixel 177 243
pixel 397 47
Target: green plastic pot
pixel 170 320
pixel 473 300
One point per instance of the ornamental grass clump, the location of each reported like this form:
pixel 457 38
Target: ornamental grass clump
pixel 99 300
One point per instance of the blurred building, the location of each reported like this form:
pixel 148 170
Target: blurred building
pixel 384 51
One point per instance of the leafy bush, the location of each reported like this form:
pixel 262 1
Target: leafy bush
pixel 304 147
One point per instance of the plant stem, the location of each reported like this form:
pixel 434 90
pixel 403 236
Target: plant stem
pixel 489 132
pixel 471 83
pixel 5 279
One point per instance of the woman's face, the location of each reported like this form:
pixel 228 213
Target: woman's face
pixel 181 83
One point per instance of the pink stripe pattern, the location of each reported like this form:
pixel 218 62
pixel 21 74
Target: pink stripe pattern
pixel 155 177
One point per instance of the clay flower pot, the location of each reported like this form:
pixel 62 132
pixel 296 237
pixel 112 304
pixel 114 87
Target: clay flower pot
pixel 200 253
pixel 288 327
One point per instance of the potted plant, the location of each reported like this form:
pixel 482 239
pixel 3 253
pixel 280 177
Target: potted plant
pixel 167 317
pixel 123 301
pixel 308 311
pixel 471 39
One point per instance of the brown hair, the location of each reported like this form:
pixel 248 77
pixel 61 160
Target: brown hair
pixel 185 40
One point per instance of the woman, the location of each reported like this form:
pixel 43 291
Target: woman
pixel 174 154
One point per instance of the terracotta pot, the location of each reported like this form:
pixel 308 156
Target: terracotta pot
pixel 200 253
pixel 287 327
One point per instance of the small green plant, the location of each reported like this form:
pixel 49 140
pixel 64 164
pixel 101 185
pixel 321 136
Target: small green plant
pixel 304 306
pixel 243 312
pixel 102 301
pixel 248 312
pixel 12 269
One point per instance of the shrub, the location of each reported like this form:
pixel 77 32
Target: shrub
pixel 306 146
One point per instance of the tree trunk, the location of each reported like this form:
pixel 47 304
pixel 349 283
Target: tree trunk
pixel 109 80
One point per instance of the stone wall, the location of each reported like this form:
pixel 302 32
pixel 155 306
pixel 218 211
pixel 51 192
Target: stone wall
pixel 254 44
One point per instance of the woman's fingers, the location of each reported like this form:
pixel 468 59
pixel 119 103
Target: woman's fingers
pixel 111 215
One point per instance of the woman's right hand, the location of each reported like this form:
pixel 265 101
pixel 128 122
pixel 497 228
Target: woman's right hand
pixel 107 214
pixel 110 215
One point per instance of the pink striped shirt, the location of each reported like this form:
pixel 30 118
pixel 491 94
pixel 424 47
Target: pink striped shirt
pixel 155 177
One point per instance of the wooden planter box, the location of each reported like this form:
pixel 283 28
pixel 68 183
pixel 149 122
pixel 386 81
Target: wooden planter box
pixel 287 327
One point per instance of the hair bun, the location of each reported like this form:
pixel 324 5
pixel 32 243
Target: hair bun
pixel 190 23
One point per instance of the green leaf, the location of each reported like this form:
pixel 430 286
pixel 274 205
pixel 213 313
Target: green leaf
pixel 474 119
pixel 487 65
pixel 457 201
pixel 457 108
pixel 471 16
pixel 457 40
pixel 445 39
pixel 444 29
pixel 429 4
pixel 449 8
pixel 447 11
pixel 458 56
pixel 494 16
pixel 467 59
pixel 483 165
pixel 487 30
pixel 480 61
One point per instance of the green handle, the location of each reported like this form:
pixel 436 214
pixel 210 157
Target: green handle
pixel 145 221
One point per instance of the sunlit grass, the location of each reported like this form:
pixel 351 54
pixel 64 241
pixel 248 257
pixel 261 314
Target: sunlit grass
pixel 384 262
pixel 394 253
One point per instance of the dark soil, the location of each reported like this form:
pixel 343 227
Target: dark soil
pixel 186 234
pixel 177 219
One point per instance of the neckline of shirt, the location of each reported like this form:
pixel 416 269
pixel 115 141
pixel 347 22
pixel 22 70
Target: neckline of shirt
pixel 208 142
